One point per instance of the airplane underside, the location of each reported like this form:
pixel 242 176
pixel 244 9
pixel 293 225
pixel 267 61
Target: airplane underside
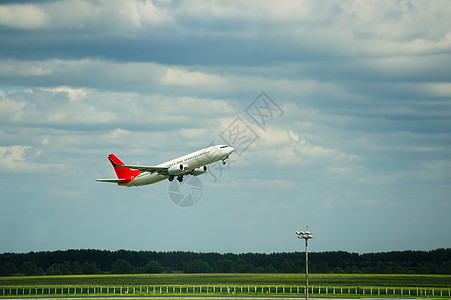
pixel 179 178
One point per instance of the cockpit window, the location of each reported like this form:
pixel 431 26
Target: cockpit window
pixel 224 147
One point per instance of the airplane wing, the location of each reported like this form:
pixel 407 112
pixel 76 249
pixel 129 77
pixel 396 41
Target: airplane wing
pixel 151 169
pixel 111 180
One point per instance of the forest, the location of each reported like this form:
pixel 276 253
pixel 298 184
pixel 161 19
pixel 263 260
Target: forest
pixel 73 262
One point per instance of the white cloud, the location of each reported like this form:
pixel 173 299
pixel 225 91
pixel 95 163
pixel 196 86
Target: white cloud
pixel 129 76
pixel 294 150
pixel 145 12
pixel 179 76
pixel 111 17
pixel 72 93
pixel 378 28
pixel 118 133
pixel 67 106
pixel 13 68
pixel 291 11
pixel 13 156
pixel 10 109
pixel 23 16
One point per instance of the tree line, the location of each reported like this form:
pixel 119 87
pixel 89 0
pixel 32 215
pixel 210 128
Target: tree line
pixel 73 262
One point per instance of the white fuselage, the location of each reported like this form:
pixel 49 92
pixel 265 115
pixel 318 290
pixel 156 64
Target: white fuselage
pixel 190 162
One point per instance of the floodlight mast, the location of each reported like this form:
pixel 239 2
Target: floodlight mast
pixel 305 235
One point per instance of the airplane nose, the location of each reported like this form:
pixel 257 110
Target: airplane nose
pixel 231 149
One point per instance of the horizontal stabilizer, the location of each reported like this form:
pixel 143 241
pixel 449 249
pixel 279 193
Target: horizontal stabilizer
pixel 111 180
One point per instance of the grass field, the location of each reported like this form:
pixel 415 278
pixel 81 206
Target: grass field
pixel 435 281
pixel 327 285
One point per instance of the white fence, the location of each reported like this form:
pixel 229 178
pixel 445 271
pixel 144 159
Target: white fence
pixel 238 290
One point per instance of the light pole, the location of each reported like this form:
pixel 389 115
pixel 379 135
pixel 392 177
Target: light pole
pixel 305 235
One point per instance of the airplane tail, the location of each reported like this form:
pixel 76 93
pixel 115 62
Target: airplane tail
pixel 122 173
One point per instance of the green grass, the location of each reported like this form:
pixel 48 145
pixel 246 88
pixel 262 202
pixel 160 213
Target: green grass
pixel 224 284
pixel 436 281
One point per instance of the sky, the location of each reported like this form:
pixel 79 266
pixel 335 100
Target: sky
pixel 339 112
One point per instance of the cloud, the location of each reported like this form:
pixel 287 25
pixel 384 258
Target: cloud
pixel 10 109
pixel 16 159
pixel 349 27
pixel 23 16
pixel 178 76
pixel 198 133
pixel 66 106
pixel 364 89
pixel 131 77
pixel 14 68
pixel 73 94
pixel 13 156
pixel 110 17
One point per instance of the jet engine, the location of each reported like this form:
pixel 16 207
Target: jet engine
pixel 199 171
pixel 176 169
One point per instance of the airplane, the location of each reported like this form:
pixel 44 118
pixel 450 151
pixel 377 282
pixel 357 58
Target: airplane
pixel 191 164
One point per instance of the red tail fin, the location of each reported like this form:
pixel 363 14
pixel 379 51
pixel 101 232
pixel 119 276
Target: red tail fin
pixel 122 173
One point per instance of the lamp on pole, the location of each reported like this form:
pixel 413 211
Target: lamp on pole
pixel 305 235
